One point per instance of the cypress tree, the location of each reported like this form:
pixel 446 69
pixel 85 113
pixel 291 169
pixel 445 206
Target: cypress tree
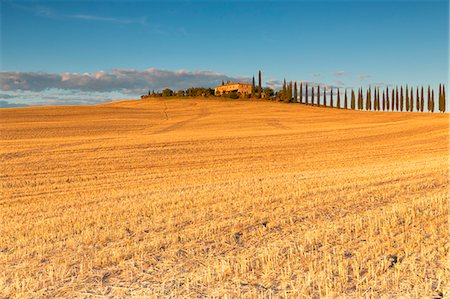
pixel 289 94
pixel 384 100
pixel 393 99
pixel 429 99
pixel 338 104
pixel 387 99
pixel 397 104
pixel 417 99
pixel 301 92
pixel 331 97
pixel 306 94
pixel 259 84
pixel 253 86
pixel 432 100
pixel 318 95
pixel 401 98
pixel 361 107
pixel 377 100
pixel 312 95
pixel 295 92
pixel 368 100
pixel 422 100
pixel 345 98
pixel 443 98
pixel 359 98
pixel 352 100
pixel 440 98
pixel 368 97
pixel 324 96
pixel 411 100
pixel 407 98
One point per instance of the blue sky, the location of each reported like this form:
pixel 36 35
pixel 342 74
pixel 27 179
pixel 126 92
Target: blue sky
pixel 66 51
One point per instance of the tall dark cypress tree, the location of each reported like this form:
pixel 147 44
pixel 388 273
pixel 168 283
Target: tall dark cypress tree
pixel 384 100
pixel 312 95
pixel 377 100
pixel 440 98
pixel 411 100
pixel 345 99
pixel 443 98
pixel 387 99
pixel 359 99
pixel 324 96
pixel 306 94
pixel 397 102
pixel 417 99
pixel 352 100
pixel 401 98
pixel 295 92
pixel 432 101
pixel 338 103
pixel 331 97
pixel 422 100
pixel 289 92
pixel 368 99
pixel 253 87
pixel 318 95
pixel 362 99
pixel 259 84
pixel 406 98
pixel 429 99
pixel 301 92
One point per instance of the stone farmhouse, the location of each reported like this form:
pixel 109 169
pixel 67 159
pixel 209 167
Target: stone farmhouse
pixel 240 87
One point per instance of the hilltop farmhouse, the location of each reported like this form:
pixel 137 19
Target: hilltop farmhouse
pixel 239 87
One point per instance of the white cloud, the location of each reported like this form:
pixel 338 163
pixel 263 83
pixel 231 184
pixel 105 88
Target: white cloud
pixel 364 77
pixel 275 84
pixel 49 13
pixel 126 81
pixel 6 104
pixel 58 97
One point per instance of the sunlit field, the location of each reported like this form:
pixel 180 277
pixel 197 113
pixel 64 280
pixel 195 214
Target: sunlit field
pixel 221 198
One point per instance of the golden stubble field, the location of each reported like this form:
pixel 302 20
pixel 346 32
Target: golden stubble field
pixel 209 198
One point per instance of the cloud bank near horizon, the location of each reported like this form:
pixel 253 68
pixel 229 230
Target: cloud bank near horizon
pixel 126 81
pixel 44 88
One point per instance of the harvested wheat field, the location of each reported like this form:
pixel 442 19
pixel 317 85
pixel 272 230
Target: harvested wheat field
pixel 213 198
